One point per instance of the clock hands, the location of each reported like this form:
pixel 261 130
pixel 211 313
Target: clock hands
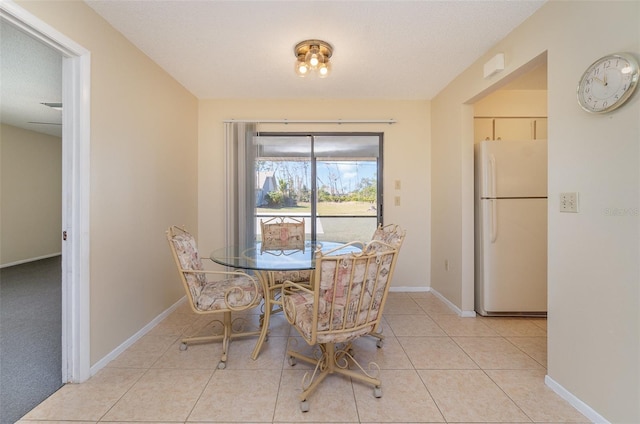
pixel 602 81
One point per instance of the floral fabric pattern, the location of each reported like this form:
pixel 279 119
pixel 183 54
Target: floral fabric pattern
pixel 389 234
pixel 302 276
pixel 241 293
pixel 235 292
pixel 283 235
pixel 349 295
pixel 187 251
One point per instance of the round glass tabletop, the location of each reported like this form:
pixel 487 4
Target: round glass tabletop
pixel 256 258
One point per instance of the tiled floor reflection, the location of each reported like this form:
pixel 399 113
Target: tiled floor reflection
pixel 435 367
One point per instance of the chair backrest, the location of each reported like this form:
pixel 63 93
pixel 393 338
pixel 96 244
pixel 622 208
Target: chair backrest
pixel 185 253
pixel 390 234
pixel 281 233
pixel 350 291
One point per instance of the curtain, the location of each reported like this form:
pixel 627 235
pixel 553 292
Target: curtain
pixel 241 183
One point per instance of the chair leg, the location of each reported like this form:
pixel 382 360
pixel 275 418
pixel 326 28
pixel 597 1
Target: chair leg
pixel 227 335
pixel 225 340
pixel 328 364
pixel 380 338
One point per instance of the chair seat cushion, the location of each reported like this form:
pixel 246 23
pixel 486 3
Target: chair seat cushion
pixel 242 294
pixel 302 305
pixel 296 276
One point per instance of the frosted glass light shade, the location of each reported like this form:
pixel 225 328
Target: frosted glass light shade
pixel 313 55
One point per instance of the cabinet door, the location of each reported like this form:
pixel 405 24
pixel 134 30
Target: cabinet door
pixel 514 129
pixel 540 128
pixel 482 129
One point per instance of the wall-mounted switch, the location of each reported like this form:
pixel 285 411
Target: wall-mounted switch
pixel 569 202
pixel 397 200
pixel 397 185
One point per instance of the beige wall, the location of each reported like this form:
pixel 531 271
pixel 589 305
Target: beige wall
pixel 143 175
pixel 594 321
pixel 512 103
pixel 30 195
pixel 406 158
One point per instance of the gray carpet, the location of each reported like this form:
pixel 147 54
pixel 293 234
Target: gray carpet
pixel 30 336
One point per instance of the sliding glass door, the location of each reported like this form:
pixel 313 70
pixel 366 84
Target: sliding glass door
pixel 331 180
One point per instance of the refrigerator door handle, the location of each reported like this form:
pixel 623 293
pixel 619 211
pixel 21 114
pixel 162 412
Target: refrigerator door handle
pixel 493 213
pixel 492 175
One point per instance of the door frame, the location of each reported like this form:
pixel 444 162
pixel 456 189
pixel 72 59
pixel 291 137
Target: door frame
pixel 76 74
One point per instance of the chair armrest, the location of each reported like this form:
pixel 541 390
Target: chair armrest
pixel 287 290
pixel 230 291
pixel 290 286
pixel 359 244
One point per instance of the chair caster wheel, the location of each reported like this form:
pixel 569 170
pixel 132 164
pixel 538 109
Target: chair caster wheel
pixel 222 365
pixel 377 392
pixel 304 406
pixel 292 361
pixel 183 346
pixel 379 344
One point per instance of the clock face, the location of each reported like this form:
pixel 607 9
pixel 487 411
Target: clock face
pixel 608 83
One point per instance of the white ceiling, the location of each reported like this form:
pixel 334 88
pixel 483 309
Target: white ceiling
pixel 385 49
pixel 382 49
pixel 30 73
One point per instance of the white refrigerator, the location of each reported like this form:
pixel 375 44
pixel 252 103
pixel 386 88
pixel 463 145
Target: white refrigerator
pixel 511 227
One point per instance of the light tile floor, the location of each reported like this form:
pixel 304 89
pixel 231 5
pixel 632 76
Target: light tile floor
pixel 435 367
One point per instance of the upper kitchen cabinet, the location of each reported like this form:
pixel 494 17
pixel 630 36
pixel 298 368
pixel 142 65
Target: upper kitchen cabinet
pixel 510 128
pixel 513 129
pixel 516 111
pixel 540 129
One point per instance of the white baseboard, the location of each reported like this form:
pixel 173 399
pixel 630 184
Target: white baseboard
pixel 582 407
pixel 131 340
pixel 24 261
pixel 409 289
pixel 460 312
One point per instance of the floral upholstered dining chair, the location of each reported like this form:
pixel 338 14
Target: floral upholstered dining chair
pixel 281 235
pixel 393 235
pixel 213 292
pixel 345 302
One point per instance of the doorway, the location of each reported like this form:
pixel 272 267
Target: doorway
pixel 516 109
pixel 31 199
pixel 75 306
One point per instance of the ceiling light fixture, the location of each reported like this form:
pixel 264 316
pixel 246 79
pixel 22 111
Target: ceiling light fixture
pixel 313 55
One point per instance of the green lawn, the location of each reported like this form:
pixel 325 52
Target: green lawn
pixel 336 229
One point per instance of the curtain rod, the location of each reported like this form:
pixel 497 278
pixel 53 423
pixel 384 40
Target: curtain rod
pixel 306 121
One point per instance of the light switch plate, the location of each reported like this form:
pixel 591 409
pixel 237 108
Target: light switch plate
pixel 569 202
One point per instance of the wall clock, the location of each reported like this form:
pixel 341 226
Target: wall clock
pixel 608 83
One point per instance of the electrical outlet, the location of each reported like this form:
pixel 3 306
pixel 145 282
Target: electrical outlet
pixel 569 202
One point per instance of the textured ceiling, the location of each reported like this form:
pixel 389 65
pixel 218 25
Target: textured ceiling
pixel 389 49
pixel 30 73
pixel 383 49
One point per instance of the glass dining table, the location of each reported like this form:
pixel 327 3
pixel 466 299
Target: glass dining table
pixel 264 262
